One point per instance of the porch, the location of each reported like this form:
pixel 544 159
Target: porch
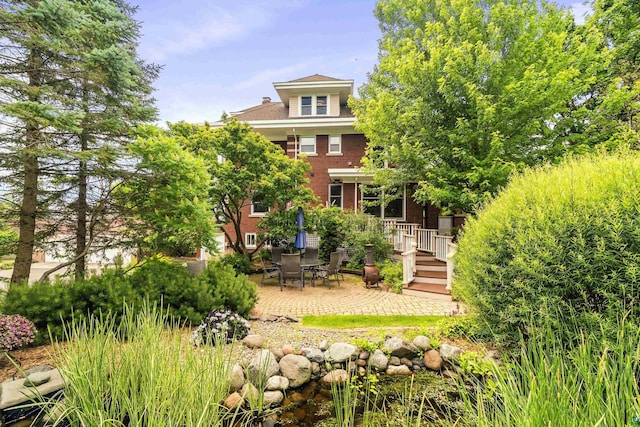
pixel 426 256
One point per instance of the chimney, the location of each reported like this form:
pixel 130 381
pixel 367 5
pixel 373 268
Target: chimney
pixel 266 100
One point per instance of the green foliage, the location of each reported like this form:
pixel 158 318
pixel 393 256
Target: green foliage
pixel 253 167
pixel 391 274
pixel 220 327
pixel 466 92
pixel 157 281
pixel 239 262
pixel 330 225
pixel 546 384
pixel 365 344
pixel 361 230
pixel 107 378
pixel 466 326
pixel 8 241
pixel 558 242
pixel 472 363
pixel 230 290
pixel 167 199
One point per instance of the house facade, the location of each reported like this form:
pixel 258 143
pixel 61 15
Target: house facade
pixel 312 117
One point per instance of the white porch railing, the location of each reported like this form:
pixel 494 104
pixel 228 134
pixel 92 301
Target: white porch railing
pixel 409 259
pixel 426 239
pixel 442 247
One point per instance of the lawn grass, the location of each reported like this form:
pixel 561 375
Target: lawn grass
pixel 370 321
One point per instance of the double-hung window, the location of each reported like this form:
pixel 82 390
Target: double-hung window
pixel 250 240
pixel 314 105
pixel 335 144
pixel 308 144
pixel 258 207
pixel 335 195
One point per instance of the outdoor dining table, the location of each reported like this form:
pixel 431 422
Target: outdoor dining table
pixel 307 265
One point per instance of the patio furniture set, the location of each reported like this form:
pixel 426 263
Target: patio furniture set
pixel 298 266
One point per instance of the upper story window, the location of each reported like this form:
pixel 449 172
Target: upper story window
pixel 321 105
pixel 250 240
pixel 335 144
pixel 258 207
pixel 305 105
pixel 308 144
pixel 316 105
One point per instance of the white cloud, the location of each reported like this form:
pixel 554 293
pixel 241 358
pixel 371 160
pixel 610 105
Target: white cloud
pixel 277 74
pixel 580 11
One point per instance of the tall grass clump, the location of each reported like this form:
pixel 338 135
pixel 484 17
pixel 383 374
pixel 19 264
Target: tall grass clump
pixel 564 237
pixel 591 384
pixel 151 378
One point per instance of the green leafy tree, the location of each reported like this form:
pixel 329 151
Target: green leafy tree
pixel 70 83
pixel 244 166
pixel 615 116
pixel 466 92
pixel 166 201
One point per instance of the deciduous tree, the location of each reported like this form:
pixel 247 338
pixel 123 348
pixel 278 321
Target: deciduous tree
pixel 244 166
pixel 466 92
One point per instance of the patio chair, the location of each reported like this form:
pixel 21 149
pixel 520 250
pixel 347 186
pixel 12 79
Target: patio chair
pixel 268 271
pixel 276 254
pixel 291 270
pixel 332 269
pixel 311 255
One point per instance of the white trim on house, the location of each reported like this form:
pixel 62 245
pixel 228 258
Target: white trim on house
pixel 306 141
pixel 312 121
pixel 350 175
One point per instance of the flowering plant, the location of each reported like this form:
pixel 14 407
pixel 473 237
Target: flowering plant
pixel 15 331
pixel 220 325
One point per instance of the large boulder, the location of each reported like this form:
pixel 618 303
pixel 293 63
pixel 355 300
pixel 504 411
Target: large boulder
pixel 433 360
pixel 336 376
pixel 398 370
pixel 340 352
pixel 296 368
pixel 422 342
pixel 400 348
pixel 314 354
pixel 379 360
pixel 450 353
pixel 262 366
pixel 237 378
pixel 277 382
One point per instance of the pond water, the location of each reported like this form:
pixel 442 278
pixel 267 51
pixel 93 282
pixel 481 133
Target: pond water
pixel 425 395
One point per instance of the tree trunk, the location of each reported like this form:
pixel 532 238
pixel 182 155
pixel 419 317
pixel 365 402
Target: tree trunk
pixel 26 242
pixel 24 254
pixel 81 208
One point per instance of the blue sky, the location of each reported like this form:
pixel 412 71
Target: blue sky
pixel 223 55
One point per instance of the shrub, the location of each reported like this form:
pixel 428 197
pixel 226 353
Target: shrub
pixel 239 262
pixel 15 332
pixel 361 230
pixel 228 289
pixel 557 241
pixel 220 326
pixel 182 295
pixel 157 281
pixel 391 273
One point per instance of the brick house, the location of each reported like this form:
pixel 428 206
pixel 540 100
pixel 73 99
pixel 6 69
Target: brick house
pixel 312 117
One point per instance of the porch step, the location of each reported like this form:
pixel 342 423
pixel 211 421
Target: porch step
pixel 430 280
pixel 425 289
pixel 428 267
pixel 424 257
pixel 433 274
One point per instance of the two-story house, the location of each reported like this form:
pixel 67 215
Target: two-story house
pixel 312 117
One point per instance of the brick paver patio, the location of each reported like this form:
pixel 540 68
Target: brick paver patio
pixel 351 297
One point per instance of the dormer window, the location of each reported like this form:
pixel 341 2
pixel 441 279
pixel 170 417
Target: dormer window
pixel 315 105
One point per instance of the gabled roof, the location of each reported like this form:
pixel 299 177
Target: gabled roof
pixel 315 78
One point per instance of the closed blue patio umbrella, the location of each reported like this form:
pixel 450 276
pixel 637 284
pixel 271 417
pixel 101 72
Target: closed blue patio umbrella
pixel 301 237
